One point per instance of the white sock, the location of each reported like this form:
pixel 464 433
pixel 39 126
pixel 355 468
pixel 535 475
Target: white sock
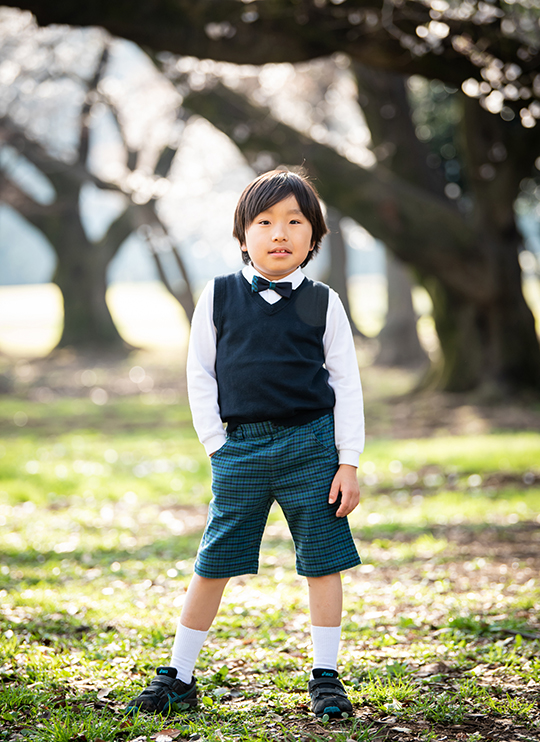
pixel 326 641
pixel 186 648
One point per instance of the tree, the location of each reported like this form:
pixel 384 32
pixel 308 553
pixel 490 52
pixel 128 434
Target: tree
pixel 486 329
pixel 491 50
pixel 82 263
pixel 81 267
pixel 450 41
pixel 399 344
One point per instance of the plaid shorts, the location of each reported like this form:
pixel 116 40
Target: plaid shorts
pixel 263 462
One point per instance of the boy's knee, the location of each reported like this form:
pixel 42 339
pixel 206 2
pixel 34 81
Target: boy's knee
pixel 334 577
pixel 211 581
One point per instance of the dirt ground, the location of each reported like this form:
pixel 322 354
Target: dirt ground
pixel 503 559
pixel 393 407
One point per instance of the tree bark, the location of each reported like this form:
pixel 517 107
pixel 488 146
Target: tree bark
pixel 81 276
pixel 491 343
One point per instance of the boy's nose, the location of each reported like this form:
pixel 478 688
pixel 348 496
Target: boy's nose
pixel 280 235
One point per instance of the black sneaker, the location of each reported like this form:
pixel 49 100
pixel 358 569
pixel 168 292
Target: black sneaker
pixel 328 696
pixel 163 693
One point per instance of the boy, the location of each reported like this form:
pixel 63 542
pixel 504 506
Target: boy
pixel 275 360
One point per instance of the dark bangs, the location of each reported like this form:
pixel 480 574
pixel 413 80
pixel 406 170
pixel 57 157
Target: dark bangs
pixel 269 189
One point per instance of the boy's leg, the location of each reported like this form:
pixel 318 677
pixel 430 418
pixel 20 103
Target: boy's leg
pixel 175 683
pixel 325 606
pixel 328 695
pixel 202 601
pixel 198 612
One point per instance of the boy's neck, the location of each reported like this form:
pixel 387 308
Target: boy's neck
pixel 274 278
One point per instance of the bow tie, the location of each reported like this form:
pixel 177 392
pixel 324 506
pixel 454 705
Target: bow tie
pixel 284 288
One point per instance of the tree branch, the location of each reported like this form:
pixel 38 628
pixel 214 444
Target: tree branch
pixel 118 231
pixel 13 196
pixel 416 225
pixel 375 32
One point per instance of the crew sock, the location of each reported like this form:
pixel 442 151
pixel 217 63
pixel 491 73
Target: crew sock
pixel 186 648
pixel 326 641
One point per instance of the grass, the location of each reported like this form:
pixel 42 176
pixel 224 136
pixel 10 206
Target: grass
pixel 101 510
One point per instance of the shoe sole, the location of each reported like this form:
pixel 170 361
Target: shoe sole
pixel 179 701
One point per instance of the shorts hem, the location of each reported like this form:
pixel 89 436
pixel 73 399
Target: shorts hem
pixel 209 575
pixel 329 570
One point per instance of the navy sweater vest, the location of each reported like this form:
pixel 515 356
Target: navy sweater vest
pixel 270 357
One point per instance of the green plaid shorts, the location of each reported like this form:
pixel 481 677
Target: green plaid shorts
pixel 263 462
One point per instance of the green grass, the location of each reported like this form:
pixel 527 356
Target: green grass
pixel 513 452
pixel 101 511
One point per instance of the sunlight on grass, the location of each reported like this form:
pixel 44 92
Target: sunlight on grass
pixel 145 313
pixel 101 512
pixel 30 319
pixel 471 454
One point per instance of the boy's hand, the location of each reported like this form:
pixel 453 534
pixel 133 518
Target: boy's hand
pixel 346 483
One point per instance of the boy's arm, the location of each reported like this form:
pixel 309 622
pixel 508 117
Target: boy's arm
pixel 201 374
pixel 344 378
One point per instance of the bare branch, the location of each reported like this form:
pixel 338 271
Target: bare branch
pixel 14 196
pixel 84 135
pixel 118 231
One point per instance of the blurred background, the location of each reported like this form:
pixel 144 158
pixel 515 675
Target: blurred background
pixel 125 142
pixel 121 168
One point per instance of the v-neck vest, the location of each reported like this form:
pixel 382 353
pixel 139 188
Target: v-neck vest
pixel 270 357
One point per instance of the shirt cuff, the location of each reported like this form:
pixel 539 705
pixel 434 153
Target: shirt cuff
pixel 349 457
pixel 213 443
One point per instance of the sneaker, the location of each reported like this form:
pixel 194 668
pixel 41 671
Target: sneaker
pixel 163 693
pixel 328 696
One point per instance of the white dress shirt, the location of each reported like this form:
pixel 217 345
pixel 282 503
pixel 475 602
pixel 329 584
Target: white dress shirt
pixel 340 361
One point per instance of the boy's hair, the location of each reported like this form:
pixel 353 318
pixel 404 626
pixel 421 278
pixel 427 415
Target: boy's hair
pixel 269 189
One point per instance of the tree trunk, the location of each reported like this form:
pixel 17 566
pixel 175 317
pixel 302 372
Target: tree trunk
pixel 398 340
pixel 487 347
pixel 386 108
pixel 81 277
pixel 494 341
pixel 336 276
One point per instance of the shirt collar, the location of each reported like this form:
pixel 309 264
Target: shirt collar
pixel 296 277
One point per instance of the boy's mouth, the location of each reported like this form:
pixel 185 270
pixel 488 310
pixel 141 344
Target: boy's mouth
pixel 280 250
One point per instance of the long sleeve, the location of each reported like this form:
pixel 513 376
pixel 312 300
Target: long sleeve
pixel 201 374
pixel 340 360
pixel 342 366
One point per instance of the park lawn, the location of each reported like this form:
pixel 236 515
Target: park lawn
pixel 101 510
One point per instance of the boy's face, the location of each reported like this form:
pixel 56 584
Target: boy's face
pixel 279 239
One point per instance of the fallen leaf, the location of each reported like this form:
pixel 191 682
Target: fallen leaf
pixel 219 692
pixel 103 693
pixel 172 733
pixel 433 668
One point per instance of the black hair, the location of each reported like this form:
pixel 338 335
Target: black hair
pixel 269 189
